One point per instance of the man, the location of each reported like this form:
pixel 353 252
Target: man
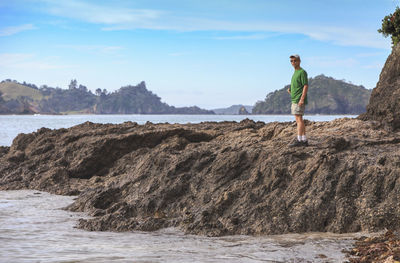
pixel 298 92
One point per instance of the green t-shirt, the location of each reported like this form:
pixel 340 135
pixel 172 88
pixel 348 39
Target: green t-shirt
pixel 299 79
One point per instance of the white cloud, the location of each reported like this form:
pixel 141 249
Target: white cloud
pixel 370 54
pixel 28 61
pixel 12 30
pixel 248 37
pixel 117 18
pixel 177 54
pixel 111 49
pixel 94 13
pixel 94 48
pixel 13 58
pixel 328 62
pixel 374 66
pixel 346 36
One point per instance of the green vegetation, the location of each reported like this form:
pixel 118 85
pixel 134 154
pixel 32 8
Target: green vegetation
pixel 391 26
pixel 131 99
pixel 17 98
pixel 61 101
pixel 325 96
pixel 14 90
pixel 138 100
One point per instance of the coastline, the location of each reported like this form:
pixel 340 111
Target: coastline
pixel 214 178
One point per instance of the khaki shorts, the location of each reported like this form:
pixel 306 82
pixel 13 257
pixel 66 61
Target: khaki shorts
pixel 298 110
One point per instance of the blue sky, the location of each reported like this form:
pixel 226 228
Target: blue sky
pixel 209 53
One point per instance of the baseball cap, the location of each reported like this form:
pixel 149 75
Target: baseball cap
pixel 295 56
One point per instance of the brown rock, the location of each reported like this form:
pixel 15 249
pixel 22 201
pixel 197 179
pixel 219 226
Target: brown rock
pixel 384 103
pixel 384 248
pixel 216 178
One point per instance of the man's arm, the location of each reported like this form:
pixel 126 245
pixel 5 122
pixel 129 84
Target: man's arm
pixel 303 96
pixel 288 90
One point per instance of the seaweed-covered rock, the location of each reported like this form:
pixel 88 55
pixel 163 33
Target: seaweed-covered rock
pixel 384 248
pixel 216 178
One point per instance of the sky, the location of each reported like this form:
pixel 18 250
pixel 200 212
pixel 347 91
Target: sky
pixel 209 53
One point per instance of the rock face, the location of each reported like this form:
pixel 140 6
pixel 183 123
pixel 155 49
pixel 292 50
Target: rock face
pixel 243 111
pixel 384 103
pixel 216 178
pixel 233 110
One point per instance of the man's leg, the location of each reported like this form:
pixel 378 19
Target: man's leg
pixel 300 125
pixel 301 128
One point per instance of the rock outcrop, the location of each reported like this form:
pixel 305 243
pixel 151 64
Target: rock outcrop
pixel 243 111
pixel 216 178
pixel 384 103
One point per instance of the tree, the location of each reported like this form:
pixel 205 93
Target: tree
pixel 391 26
pixel 73 84
pixel 83 88
pixel 98 92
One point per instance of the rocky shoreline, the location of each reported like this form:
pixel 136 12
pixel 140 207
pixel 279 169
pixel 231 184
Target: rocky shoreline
pixel 216 178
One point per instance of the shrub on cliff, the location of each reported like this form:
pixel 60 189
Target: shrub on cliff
pixel 391 26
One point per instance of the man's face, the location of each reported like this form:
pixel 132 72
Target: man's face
pixel 295 62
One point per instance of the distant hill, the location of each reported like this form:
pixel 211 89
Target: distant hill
pixel 14 90
pixel 232 110
pixel 326 95
pixel 19 98
pixel 23 98
pixel 137 99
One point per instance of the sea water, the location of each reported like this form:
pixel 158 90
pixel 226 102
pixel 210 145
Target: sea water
pixel 35 228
